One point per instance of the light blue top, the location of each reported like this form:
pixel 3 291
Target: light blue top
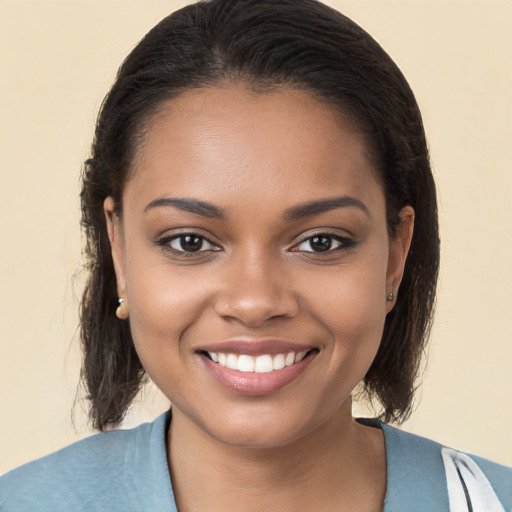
pixel 126 470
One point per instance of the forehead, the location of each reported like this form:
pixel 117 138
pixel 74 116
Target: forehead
pixel 252 143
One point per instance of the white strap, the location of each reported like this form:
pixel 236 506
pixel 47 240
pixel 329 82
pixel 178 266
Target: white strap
pixel 468 487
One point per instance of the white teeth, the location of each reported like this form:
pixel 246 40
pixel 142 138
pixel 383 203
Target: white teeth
pixel 290 359
pixel 246 363
pixel 260 364
pixel 263 364
pixel 279 362
pixel 300 356
pixel 232 361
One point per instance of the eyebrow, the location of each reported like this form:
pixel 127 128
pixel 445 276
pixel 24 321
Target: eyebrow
pixel 291 214
pixel 324 205
pixel 188 205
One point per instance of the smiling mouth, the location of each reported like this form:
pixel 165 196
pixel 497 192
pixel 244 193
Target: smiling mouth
pixel 264 363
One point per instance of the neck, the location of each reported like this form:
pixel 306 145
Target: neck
pixel 340 466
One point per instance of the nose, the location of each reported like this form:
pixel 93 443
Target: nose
pixel 256 289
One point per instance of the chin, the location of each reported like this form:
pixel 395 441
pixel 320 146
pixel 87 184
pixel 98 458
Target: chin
pixel 263 425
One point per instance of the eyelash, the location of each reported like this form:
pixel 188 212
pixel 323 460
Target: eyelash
pixel 167 242
pixel 341 243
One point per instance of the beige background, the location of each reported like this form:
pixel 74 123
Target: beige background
pixel 57 60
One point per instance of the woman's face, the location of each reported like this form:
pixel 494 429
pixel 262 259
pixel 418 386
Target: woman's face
pixel 255 261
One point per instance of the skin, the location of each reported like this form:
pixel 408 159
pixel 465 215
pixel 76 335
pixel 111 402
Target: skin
pixel 256 157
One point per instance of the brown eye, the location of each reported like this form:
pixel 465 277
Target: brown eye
pixel 190 243
pixel 320 243
pixel 323 242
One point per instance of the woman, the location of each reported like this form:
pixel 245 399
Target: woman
pixel 262 236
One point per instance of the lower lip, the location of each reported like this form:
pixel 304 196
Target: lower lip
pixel 252 383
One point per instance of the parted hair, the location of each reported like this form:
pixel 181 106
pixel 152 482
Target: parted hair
pixel 263 44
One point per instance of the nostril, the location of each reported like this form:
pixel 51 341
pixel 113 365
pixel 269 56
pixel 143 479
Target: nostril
pixel 252 308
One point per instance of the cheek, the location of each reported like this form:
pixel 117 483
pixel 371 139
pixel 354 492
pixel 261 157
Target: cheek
pixel 163 311
pixel 351 304
pixel 164 303
pixel 352 294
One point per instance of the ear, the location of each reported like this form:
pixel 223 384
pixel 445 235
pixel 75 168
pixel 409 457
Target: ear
pixel 116 244
pixel 398 250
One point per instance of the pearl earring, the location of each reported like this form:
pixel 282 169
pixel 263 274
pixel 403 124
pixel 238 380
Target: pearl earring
pixel 390 297
pixel 122 309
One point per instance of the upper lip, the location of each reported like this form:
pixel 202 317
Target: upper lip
pixel 255 347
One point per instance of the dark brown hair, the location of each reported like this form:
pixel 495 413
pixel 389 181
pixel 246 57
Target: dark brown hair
pixel 263 43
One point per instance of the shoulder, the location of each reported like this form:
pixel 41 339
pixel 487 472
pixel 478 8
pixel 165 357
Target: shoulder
pixel 100 472
pixel 418 466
